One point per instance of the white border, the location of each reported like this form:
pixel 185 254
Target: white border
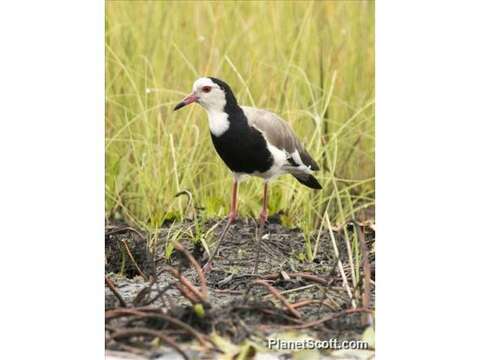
pixel 51 190
pixel 427 135
pixel 52 176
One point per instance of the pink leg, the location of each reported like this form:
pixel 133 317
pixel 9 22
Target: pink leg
pixel 261 224
pixel 232 216
pixel 264 212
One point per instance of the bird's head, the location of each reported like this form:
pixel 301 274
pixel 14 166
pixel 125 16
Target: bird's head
pixel 211 93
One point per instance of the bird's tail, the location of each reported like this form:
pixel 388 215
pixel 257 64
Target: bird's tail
pixel 308 180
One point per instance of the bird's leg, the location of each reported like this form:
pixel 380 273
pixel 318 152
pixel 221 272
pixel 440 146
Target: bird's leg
pixel 232 216
pixel 261 224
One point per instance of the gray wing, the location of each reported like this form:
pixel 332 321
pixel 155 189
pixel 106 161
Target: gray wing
pixel 279 134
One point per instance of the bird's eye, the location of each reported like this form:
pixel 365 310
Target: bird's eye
pixel 206 89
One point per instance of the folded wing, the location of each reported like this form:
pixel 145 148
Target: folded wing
pixel 280 134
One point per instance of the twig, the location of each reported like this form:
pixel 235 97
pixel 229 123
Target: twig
pixel 115 292
pixel 339 262
pixel 293 290
pixel 327 318
pixel 187 294
pixel 366 271
pixel 154 313
pixel 138 350
pixel 282 315
pixel 303 303
pixel 279 296
pixel 160 293
pixel 133 260
pixel 228 291
pixel 201 277
pixel 143 294
pixel 126 333
pixel 350 259
pixel 125 229
pixel 269 310
pixel 198 297
pixel 189 195
pixel 304 275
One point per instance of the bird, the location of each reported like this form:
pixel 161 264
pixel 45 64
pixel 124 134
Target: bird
pixel 251 142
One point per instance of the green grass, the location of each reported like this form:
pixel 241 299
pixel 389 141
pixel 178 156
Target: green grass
pixel 310 62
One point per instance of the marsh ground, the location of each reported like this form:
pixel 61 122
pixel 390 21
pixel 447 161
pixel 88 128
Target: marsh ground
pixel 239 311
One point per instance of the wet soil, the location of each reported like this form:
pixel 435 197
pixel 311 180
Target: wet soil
pixel 237 308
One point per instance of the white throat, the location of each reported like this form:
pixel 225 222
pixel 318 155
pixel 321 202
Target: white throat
pixel 218 122
pixel 213 102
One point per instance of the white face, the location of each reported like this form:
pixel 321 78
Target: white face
pixel 210 95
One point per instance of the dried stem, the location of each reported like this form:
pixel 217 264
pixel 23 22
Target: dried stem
pixel 155 313
pixel 198 269
pixel 279 296
pixel 339 263
pixel 197 296
pixel 126 333
pixel 327 318
pixel 125 229
pixel 133 260
pixel 366 271
pixel 303 275
pixel 115 292
pixel 303 303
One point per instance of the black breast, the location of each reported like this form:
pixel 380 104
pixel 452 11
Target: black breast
pixel 243 148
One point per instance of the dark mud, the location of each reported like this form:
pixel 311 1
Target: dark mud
pixel 237 308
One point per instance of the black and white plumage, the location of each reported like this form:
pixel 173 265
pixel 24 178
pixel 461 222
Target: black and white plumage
pixel 251 142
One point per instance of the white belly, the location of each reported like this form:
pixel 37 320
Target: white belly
pixel 277 168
